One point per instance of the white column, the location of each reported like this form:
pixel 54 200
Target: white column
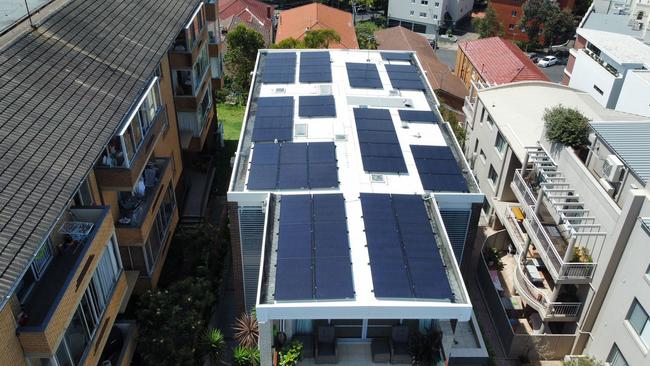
pixel 265 343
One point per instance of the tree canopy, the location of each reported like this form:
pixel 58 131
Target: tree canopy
pixel 489 25
pixel 545 18
pixel 366 35
pixel 242 44
pixel 317 38
pixel 566 126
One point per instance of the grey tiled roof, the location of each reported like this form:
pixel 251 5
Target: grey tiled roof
pixel 630 141
pixel 64 88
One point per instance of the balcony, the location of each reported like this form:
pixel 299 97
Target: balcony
pixel 59 275
pixel 120 344
pixel 123 176
pixel 611 69
pixel 137 209
pixel 522 190
pixel 468 106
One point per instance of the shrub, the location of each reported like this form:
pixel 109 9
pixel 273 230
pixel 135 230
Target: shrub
pixel 213 343
pixel 566 126
pixel 246 356
pixel 246 330
pixel 292 355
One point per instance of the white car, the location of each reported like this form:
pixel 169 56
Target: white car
pixel 547 61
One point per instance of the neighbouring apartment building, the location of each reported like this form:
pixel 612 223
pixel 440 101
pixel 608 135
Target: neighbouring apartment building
pixel 612 68
pixel 427 16
pixel 510 12
pixel 565 222
pixel 629 17
pixel 102 103
pixel 351 209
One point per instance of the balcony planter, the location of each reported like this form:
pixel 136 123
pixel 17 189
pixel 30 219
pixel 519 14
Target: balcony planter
pixel 581 255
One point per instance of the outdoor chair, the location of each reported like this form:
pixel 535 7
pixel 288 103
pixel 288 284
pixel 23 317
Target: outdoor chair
pixel 399 345
pixel 326 345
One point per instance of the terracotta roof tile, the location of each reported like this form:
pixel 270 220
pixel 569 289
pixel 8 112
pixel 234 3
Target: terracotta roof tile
pixel 499 61
pixel 295 22
pixel 438 74
pixel 247 10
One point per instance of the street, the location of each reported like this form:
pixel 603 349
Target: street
pixel 554 72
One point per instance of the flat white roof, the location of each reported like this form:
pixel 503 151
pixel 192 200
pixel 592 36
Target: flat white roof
pixel 518 109
pixel 622 48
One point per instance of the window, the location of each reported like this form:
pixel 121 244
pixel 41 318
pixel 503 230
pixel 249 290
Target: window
pixel 437 5
pixel 435 16
pixel 83 197
pixel 511 26
pixel 424 2
pixel 482 155
pixel 423 15
pixel 413 1
pixel 200 67
pixel 486 205
pixel 482 115
pixel 616 358
pixel 490 121
pixel 513 13
pixel 638 319
pixel 411 13
pixel 493 176
pixel 500 143
pixel 599 90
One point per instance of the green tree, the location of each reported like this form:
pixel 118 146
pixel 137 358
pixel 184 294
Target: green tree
pixel 581 7
pixel 489 25
pixel 242 44
pixel 171 322
pixel 366 35
pixel 289 43
pixel 566 126
pixel 583 361
pixel 544 17
pixel 320 38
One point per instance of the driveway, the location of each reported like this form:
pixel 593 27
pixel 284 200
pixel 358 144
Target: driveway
pixel 554 72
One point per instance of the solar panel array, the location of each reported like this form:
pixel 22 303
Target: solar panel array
pixel 315 67
pixel 417 116
pixel 279 68
pixel 380 148
pixel 396 56
pixel 313 249
pixel 404 258
pixel 273 119
pixel 404 77
pixel 438 169
pixel 292 165
pixel 363 75
pixel 317 106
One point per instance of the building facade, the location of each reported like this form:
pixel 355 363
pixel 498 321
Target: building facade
pixel 559 219
pixel 320 172
pixel 427 16
pixel 90 193
pixel 510 12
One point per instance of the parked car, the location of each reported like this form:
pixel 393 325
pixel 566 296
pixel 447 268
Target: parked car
pixel 547 61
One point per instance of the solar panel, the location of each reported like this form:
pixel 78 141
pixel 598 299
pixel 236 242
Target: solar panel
pixel 396 56
pixel 273 119
pixel 380 148
pixel 438 169
pixel 317 106
pixel 404 77
pixel 279 68
pixel 291 165
pixel 315 67
pixel 363 75
pixel 404 258
pixel 313 236
pixel 417 116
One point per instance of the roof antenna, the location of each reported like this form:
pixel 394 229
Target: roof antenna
pixel 29 16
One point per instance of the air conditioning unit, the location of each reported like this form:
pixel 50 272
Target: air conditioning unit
pixel 606 186
pixel 612 168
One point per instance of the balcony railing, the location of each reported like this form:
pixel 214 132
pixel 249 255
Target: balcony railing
pixel 538 300
pixel 611 69
pixel 514 229
pixel 522 190
pixel 468 106
pixel 135 206
pixel 559 269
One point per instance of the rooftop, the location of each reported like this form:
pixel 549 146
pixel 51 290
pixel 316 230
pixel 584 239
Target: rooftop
pixel 611 16
pixel 518 109
pixel 438 73
pixel 308 132
pixel 52 129
pixel 251 11
pixel 622 48
pixel 499 61
pixel 295 22
pixel 629 141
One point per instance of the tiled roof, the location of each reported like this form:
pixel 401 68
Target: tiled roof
pixel 247 10
pixel 438 74
pixel 295 22
pixel 499 61
pixel 65 87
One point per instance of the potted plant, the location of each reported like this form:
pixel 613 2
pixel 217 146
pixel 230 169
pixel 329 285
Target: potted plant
pixel 424 347
pixel 291 355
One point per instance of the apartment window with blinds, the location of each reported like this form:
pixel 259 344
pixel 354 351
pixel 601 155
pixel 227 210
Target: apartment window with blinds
pixel 493 176
pixel 638 319
pixel 500 143
pixel 616 358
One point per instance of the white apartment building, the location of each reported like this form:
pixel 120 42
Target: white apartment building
pixel 629 17
pixel 606 65
pixel 561 219
pixel 427 16
pixel 351 207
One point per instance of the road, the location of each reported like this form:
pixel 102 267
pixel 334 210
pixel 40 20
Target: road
pixel 554 73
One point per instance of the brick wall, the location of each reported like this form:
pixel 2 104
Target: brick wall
pixel 11 353
pixel 235 246
pixel 169 145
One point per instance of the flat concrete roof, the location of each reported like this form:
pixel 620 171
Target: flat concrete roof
pixel 621 48
pixel 518 109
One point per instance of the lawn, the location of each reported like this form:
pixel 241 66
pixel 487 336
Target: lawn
pixel 231 116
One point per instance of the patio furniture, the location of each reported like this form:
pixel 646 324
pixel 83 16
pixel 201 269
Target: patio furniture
pixel 534 275
pixel 307 341
pixel 399 345
pixel 326 345
pixel 380 350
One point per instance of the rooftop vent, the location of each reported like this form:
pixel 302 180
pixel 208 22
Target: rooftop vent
pixel 325 89
pixel 301 130
pixel 377 178
pixel 280 90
